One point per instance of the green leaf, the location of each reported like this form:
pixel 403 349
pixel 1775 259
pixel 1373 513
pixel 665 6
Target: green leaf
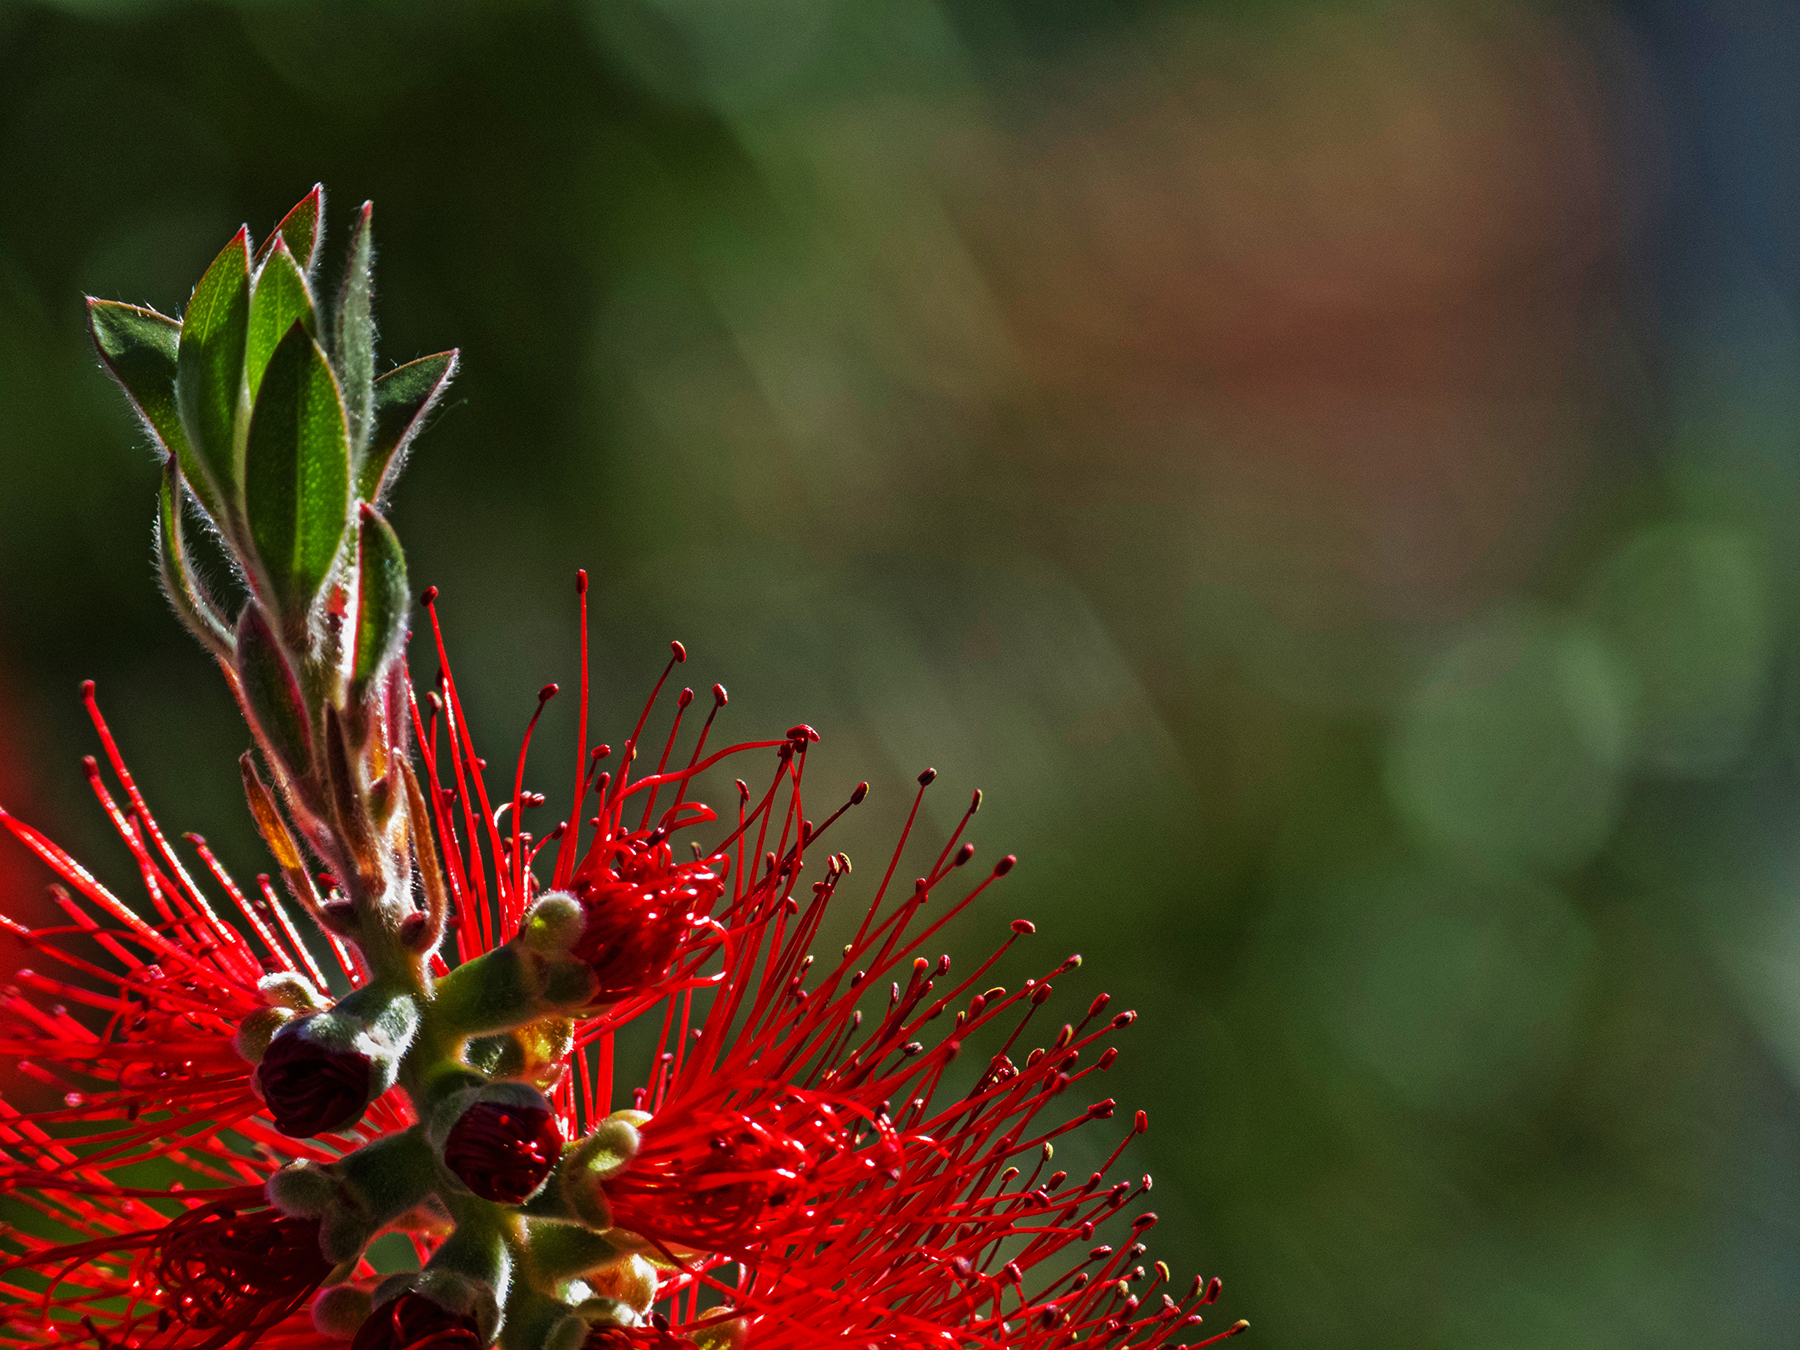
pixel 139 348
pixel 297 472
pixel 210 364
pixel 271 693
pixel 402 398
pixel 186 592
pixel 300 227
pixel 382 597
pixel 280 299
pixel 353 335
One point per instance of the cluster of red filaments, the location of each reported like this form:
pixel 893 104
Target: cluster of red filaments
pixel 640 905
pixel 859 1150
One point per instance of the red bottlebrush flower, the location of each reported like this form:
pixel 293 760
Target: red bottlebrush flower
pixel 722 1180
pixel 152 1076
pixel 817 1158
pixel 221 1268
pixel 503 1152
pixel 227 1269
pixel 639 904
pixel 312 1089
pixel 814 1143
pixel 812 1162
pixel 414 1322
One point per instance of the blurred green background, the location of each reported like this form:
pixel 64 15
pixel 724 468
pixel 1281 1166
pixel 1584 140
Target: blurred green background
pixel 1327 470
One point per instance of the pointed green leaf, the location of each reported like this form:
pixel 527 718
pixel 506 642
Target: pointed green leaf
pixel 210 363
pixel 381 597
pixel 281 298
pixel 139 347
pixel 301 228
pixel 297 472
pixel 271 693
pixel 186 592
pixel 353 333
pixel 402 398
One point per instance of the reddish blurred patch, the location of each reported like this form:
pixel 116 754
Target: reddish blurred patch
pixel 1339 283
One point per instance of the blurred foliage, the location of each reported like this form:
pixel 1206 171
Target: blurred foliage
pixel 1328 470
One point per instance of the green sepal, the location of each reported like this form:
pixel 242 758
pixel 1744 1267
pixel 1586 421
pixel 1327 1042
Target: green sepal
pixel 279 299
pixel 139 348
pixel 297 472
pixel 389 1176
pixel 353 329
pixel 186 592
pixel 535 1321
pixel 210 365
pixel 562 1251
pixel 272 693
pixel 403 397
pixel 491 993
pixel 382 598
pixel 300 227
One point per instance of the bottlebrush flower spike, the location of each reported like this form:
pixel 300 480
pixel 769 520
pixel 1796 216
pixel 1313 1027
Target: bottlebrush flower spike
pixel 859 1150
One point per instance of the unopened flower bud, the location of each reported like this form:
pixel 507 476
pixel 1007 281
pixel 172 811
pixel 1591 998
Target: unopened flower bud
pixel 320 1071
pixel 600 1157
pixel 256 1031
pixel 631 1280
pixel 414 1322
pixel 554 924
pixel 537 1053
pixel 340 1311
pixel 503 1148
pixel 290 989
pixel 310 1087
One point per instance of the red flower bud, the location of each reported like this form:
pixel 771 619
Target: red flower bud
pixel 503 1152
pixel 414 1322
pixel 311 1089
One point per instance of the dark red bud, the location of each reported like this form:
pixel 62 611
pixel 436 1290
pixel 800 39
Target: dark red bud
pixel 414 1322
pixel 857 797
pixel 503 1152
pixel 963 855
pixel 927 778
pixel 429 596
pixel 309 1089
pixel 680 652
pixel 1023 926
pixel 720 697
pixel 1005 865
